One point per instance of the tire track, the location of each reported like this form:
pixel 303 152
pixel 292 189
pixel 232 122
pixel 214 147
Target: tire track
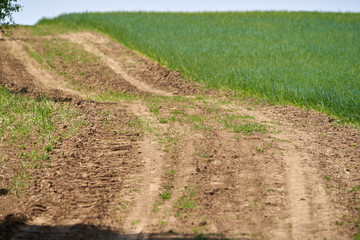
pixel 45 79
pixel 138 220
pixel 83 40
pixel 311 213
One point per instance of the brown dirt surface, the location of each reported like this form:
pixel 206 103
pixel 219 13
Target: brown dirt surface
pixel 157 157
pixel 132 66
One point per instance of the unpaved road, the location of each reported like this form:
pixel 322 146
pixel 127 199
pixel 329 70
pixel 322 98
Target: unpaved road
pixel 161 158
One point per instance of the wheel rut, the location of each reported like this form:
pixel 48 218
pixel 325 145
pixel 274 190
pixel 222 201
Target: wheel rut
pixel 138 223
pixel 83 40
pixel 311 213
pixel 44 78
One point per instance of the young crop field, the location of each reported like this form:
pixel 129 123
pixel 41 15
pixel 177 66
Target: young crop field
pixel 308 59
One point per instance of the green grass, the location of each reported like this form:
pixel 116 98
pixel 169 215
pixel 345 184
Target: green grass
pixel 243 126
pixel 20 181
pixel 30 126
pixel 250 128
pixel 21 116
pixel 308 59
pixel 135 222
pixel 154 109
pixel 166 195
pixel 187 201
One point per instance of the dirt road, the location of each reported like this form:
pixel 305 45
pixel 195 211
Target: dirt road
pixel 164 158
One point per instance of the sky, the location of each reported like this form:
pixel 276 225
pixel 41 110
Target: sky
pixel 34 10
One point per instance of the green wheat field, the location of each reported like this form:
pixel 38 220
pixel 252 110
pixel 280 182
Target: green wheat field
pixel 307 59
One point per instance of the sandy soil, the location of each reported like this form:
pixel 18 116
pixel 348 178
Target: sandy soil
pixel 163 164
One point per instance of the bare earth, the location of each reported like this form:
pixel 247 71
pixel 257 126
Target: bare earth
pixel 161 163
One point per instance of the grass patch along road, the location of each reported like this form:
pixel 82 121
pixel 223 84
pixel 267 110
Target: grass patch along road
pixel 29 132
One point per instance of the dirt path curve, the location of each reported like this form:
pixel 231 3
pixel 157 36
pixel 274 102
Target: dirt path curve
pixel 87 39
pixel 44 78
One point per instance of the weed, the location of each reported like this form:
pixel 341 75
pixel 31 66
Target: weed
pixel 203 127
pixel 135 222
pixel 280 140
pixel 238 137
pixel 19 182
pixel 166 195
pixel 342 223
pixel 177 112
pixel 206 155
pixel 250 128
pixel 162 223
pixel 127 178
pixel 154 109
pixel 174 119
pixel 163 120
pixel 35 56
pixel 186 201
pixel 327 178
pixel 170 174
pixel 194 118
pixel 49 147
pixel 272 122
pixel 22 147
pixel 260 149
pixel 135 123
pixel 35 159
pixel 263 147
pixel 124 207
pixel 231 122
pixel 156 206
